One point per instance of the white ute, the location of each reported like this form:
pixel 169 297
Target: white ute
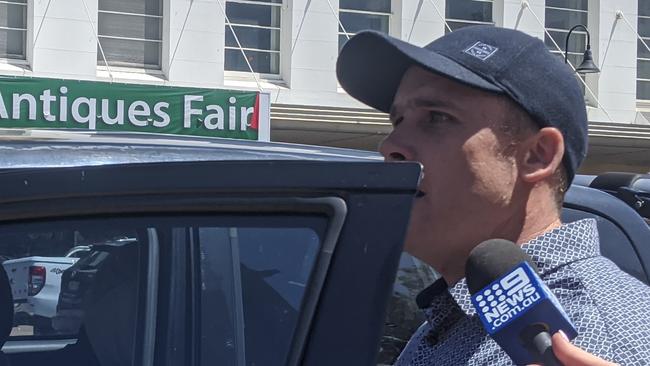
pixel 35 285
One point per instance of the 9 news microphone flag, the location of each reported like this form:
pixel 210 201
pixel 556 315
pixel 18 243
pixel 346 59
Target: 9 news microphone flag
pixel 516 308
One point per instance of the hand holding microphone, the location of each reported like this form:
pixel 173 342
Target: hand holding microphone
pixel 571 355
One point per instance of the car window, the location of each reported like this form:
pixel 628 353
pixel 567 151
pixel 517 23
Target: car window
pixel 52 270
pixel 254 272
pixel 253 282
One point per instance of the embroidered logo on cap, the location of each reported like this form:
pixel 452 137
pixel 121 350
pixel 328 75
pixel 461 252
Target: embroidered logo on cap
pixel 481 50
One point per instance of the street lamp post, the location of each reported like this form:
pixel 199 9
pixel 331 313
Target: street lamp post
pixel 587 66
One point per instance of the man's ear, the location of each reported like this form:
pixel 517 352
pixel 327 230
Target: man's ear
pixel 540 155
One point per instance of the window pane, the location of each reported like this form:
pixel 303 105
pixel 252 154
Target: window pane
pixel 643 69
pixel 131 26
pixel 13 16
pixel 356 22
pixel 642 51
pixel 253 14
pixel 255 278
pixel 259 38
pixel 644 27
pixel 457 25
pixel 380 6
pixel 12 44
pixel 564 19
pixel 55 293
pixel 261 1
pixel 342 41
pixel 644 7
pixel 569 4
pixel 149 7
pixel 123 52
pixel 577 42
pixel 469 10
pixel 261 62
pixel 643 90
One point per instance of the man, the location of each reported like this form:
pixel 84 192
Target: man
pixel 500 127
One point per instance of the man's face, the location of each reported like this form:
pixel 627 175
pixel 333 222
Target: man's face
pixel 466 195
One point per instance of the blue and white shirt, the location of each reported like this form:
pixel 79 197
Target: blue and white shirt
pixel 609 308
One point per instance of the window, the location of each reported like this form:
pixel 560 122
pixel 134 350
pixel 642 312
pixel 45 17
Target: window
pixel 82 284
pixel 130 33
pixel 358 15
pixel 257 26
pixel 67 274
pixel 561 16
pixel 13 29
pixel 463 13
pixel 643 55
pixel 254 275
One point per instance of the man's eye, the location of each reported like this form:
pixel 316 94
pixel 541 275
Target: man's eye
pixel 437 117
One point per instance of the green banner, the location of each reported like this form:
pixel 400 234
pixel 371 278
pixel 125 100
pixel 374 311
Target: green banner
pixel 53 103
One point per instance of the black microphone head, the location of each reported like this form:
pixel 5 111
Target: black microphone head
pixel 490 260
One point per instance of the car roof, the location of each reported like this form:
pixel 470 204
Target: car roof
pixel 25 148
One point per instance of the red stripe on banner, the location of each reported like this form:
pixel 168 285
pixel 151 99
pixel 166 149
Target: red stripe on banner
pixel 255 121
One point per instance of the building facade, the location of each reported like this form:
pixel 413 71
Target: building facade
pixel 288 48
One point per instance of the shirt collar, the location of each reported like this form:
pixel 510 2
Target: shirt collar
pixel 556 248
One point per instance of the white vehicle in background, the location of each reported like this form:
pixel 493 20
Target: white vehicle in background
pixel 35 285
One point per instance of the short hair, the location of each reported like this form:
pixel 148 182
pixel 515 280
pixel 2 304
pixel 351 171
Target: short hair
pixel 518 125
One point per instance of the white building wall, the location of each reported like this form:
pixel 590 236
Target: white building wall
pixel 66 48
pixel 66 45
pixel 615 85
pixel 194 53
pixel 421 22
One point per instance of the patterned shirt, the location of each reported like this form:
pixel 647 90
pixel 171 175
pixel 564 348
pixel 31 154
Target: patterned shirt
pixel 609 308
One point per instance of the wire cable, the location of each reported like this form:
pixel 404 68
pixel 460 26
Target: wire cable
pixel 250 68
pixel 101 49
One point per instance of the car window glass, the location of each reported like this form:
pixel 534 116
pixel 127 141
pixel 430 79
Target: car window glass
pixel 53 272
pixel 253 282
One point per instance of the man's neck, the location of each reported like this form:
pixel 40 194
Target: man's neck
pixel 533 227
pixel 534 232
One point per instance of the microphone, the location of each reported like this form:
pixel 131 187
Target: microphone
pixel 516 308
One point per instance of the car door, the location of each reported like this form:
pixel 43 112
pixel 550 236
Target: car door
pixel 203 263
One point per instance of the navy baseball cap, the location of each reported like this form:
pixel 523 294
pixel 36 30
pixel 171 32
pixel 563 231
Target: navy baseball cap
pixel 499 60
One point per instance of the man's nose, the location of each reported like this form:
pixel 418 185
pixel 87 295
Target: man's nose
pixel 393 150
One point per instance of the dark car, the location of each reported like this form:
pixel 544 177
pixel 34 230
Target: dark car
pixel 240 253
pixel 243 254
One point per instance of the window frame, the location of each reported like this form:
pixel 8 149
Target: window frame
pixel 581 32
pixel 645 102
pixel 24 59
pixel 345 33
pixel 126 67
pixel 245 75
pixel 475 22
pixel 585 82
pixel 332 209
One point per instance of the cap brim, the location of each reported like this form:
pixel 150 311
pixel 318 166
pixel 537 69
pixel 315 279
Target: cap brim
pixel 372 64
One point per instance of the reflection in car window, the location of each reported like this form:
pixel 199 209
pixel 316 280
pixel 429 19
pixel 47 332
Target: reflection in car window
pixel 84 282
pixel 253 283
pixel 52 270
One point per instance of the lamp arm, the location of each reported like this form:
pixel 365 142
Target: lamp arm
pixel 566 41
